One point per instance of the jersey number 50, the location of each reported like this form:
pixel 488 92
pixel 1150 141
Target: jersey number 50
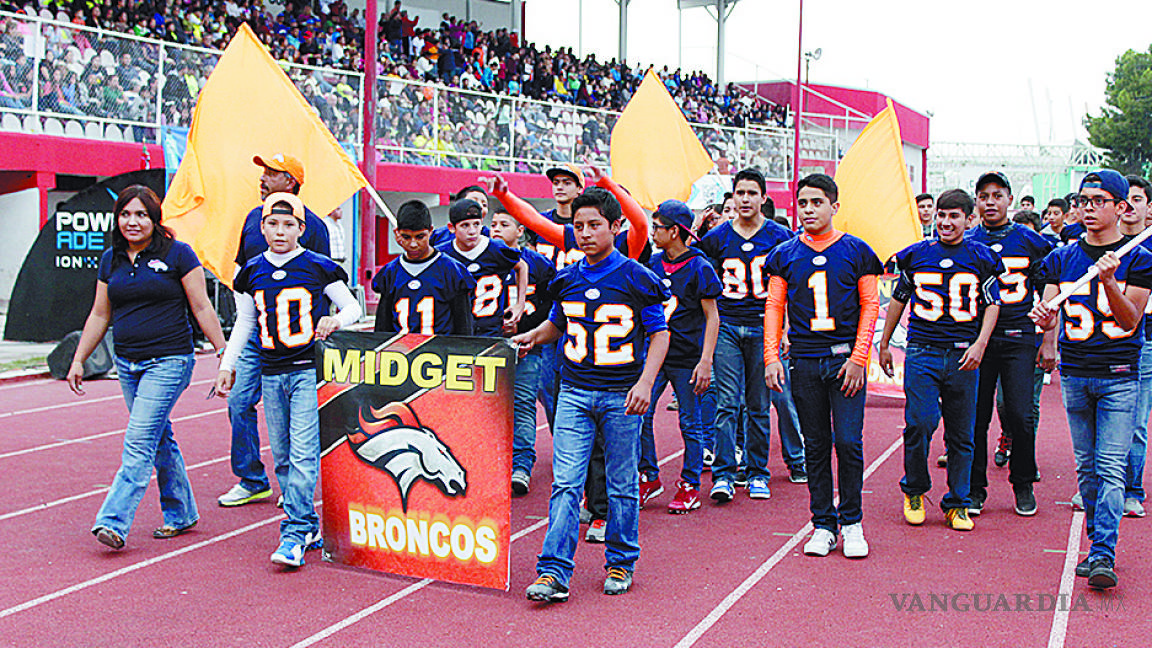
pixel 963 288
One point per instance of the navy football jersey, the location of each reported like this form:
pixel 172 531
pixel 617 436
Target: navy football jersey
pixel 1021 250
pixel 1092 344
pixel 948 287
pixel 691 278
pixel 572 252
pixel 538 301
pixel 488 263
pixel 290 301
pixel 823 293
pixel 740 262
pixel 1147 244
pixel 421 300
pixel 606 312
pixel 1073 232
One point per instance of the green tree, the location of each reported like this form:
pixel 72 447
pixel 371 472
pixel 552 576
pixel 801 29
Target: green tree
pixel 1124 126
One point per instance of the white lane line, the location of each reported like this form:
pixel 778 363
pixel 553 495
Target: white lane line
pixel 419 585
pixel 714 616
pixel 27 383
pixel 78 403
pixel 1059 633
pixel 101 435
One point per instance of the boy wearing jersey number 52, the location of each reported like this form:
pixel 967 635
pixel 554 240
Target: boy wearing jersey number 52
pixel 606 305
pixel 952 284
pixel 827 281
pixel 1100 339
pixel 284 294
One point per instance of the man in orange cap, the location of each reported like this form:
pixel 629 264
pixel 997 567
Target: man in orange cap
pixel 282 173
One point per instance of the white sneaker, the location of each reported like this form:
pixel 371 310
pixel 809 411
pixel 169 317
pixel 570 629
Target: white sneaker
pixel 1077 502
pixel 1133 508
pixel 239 496
pixel 822 542
pixel 855 546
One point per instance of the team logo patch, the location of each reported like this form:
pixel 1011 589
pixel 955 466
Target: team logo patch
pixel 157 265
pixel 279 274
pixel 414 284
pixel 393 440
pixel 747 247
pixel 996 247
pixel 820 260
pixel 667 282
pixel 947 263
pixel 473 267
pixel 592 293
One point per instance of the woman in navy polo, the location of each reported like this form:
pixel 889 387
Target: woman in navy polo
pixel 146 284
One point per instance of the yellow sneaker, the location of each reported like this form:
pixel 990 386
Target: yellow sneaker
pixel 958 519
pixel 914 509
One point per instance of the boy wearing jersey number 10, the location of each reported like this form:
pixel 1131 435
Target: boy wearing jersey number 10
pixel 826 280
pixel 952 284
pixel 284 294
pixel 1100 340
pixel 606 305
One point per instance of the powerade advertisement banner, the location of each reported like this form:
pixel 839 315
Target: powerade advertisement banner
pixel 879 384
pixel 416 454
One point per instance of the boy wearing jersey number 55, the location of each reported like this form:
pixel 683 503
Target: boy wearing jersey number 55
pixel 606 305
pixel 827 281
pixel 952 284
pixel 1100 339
pixel 284 294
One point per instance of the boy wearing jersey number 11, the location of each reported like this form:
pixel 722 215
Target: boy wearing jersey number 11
pixel 606 306
pixel 284 294
pixel 952 284
pixel 827 282
pixel 1100 340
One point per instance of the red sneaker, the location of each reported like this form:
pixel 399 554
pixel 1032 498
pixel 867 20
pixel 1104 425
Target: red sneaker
pixel 649 488
pixel 687 499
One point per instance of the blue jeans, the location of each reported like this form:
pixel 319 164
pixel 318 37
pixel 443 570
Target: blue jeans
pixel 292 412
pixel 1101 413
pixel 829 418
pixel 242 401
pixel 788 424
pixel 151 389
pixel 739 369
pixel 690 427
pixel 1138 455
pixel 934 385
pixel 533 379
pixel 1012 365
pixel 707 404
pixel 582 416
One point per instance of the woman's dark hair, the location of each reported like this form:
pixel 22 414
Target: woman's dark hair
pixel 162 237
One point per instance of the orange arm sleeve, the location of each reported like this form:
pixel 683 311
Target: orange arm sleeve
pixel 637 221
pixel 774 318
pixel 866 327
pixel 527 215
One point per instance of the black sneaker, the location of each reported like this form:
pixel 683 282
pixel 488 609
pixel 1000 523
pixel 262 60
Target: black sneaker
pixel 547 588
pixel 1025 500
pixel 797 475
pixel 977 506
pixel 741 480
pixel 1083 568
pixel 1102 575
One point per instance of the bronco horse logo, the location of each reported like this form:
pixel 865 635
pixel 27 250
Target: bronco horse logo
pixel 393 440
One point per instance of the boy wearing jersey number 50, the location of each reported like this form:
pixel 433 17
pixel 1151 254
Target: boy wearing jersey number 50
pixel 952 285
pixel 1100 339
pixel 827 281
pixel 284 294
pixel 606 305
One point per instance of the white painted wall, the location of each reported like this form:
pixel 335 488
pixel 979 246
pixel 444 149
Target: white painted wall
pixel 20 224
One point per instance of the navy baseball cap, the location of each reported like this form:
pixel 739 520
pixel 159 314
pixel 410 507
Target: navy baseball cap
pixel 463 210
pixel 1110 181
pixel 676 213
pixel 994 176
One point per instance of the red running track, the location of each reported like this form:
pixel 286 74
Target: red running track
pixel 721 576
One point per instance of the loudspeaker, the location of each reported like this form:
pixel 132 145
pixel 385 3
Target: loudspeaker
pixel 98 364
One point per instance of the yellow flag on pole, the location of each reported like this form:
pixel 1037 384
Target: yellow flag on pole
pixel 249 107
pixel 876 199
pixel 654 152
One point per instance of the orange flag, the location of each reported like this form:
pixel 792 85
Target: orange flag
pixel 876 199
pixel 654 152
pixel 249 107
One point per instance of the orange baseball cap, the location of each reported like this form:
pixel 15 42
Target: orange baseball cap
pixel 283 197
pixel 283 162
pixel 570 170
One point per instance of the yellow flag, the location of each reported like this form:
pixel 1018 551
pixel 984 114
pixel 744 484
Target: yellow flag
pixel 876 199
pixel 654 152
pixel 249 107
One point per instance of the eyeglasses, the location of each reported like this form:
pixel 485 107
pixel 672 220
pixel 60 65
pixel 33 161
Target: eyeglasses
pixel 662 227
pixel 1096 201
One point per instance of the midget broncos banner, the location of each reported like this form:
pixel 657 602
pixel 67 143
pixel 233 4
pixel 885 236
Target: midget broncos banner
pixel 416 454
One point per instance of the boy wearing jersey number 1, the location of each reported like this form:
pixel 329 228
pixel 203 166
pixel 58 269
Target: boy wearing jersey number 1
pixel 952 284
pixel 1100 339
pixel 827 282
pixel 606 306
pixel 284 293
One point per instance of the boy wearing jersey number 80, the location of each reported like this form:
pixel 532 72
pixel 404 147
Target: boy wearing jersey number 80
pixel 827 282
pixel 284 294
pixel 606 306
pixel 1100 340
pixel 952 285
